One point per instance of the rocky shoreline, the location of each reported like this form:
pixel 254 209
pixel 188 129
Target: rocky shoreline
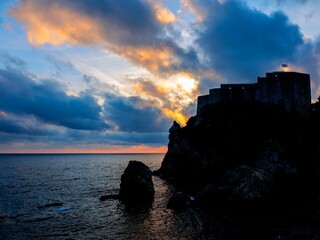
pixel 245 154
pixel 243 162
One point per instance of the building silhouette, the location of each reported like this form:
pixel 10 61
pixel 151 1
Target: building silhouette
pixel 290 90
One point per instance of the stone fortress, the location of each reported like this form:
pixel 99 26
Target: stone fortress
pixel 291 90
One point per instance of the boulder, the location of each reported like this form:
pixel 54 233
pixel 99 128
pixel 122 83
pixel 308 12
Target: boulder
pixel 109 197
pixel 136 183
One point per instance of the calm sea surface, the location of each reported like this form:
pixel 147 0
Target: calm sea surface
pixel 57 197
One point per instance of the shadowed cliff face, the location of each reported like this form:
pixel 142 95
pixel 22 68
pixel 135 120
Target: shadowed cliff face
pixel 248 151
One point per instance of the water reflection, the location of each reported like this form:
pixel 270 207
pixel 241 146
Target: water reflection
pixel 58 197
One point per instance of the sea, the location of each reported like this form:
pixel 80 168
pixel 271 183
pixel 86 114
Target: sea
pixel 57 196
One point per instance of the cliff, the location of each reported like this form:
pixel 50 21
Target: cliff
pixel 245 152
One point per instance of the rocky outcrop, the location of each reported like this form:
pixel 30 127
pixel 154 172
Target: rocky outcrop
pixel 136 184
pixel 242 152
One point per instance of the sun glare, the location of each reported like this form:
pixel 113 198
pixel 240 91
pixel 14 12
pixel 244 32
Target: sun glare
pixel 176 115
pixel 186 83
pixel 180 89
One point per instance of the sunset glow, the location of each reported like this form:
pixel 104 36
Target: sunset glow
pixel 113 150
pixel 112 76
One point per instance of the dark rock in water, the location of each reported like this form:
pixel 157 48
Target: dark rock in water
pixel 136 183
pixel 109 197
pixel 180 200
pixel 53 204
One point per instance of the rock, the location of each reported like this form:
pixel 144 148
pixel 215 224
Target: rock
pixel 109 197
pixel 245 153
pixel 246 183
pixel 180 200
pixel 242 184
pixel 136 183
pixel 272 159
pixel 210 197
pixel 225 136
pixel 53 204
pixel 175 127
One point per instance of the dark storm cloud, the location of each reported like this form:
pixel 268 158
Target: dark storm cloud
pixel 47 101
pixel 10 125
pixel 119 138
pixel 14 131
pixel 307 57
pixel 133 114
pixel 242 43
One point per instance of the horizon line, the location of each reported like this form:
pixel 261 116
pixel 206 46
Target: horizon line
pixel 78 153
pixel 116 150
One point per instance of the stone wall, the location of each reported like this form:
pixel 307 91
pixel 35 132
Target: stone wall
pixel 290 90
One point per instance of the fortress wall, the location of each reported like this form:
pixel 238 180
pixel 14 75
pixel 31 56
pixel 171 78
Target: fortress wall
pixel 214 95
pixel 288 89
pixel 238 92
pixel 202 101
pixel 212 98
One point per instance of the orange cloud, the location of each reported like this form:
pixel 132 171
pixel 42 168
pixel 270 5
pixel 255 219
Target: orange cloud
pixel 59 24
pixel 164 15
pixel 148 89
pixel 153 58
pixel 56 25
pixel 200 13
pixel 173 94
pixel 176 115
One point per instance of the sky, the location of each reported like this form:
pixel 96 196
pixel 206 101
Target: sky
pixel 111 76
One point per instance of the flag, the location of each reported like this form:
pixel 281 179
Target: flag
pixel 284 65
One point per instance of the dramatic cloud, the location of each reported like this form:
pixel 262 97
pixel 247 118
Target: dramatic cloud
pixel 79 140
pixel 38 115
pixel 47 101
pixel 133 114
pixel 235 42
pixel 241 43
pixel 17 124
pixel 112 21
pixel 173 95
pixel 307 60
pixel 135 30
pixel 132 67
pixel 132 29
